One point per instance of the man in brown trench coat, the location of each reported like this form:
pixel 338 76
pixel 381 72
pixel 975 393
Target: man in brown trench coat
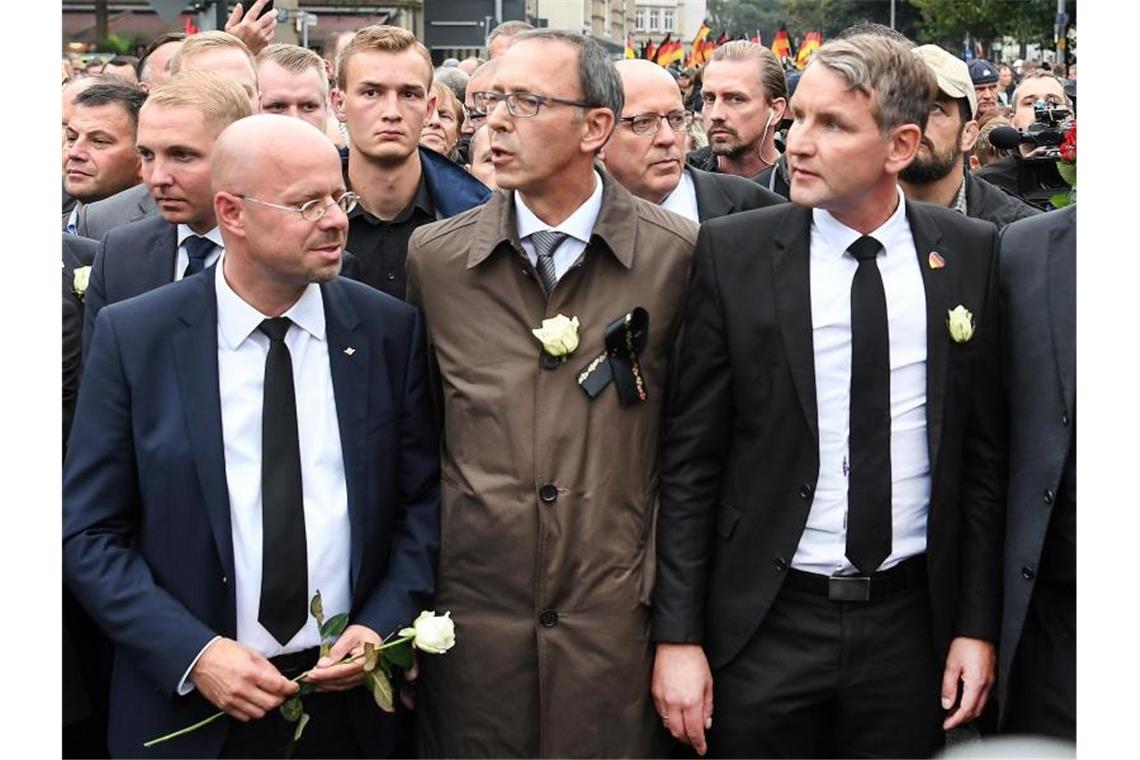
pixel 549 495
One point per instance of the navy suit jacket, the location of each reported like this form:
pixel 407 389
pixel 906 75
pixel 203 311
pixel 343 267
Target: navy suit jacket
pixel 147 544
pixel 136 258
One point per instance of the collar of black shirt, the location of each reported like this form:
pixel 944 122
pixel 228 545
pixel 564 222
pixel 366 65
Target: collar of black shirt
pixel 421 200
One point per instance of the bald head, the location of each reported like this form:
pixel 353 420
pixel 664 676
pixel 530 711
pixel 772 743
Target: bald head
pixel 637 74
pixel 259 144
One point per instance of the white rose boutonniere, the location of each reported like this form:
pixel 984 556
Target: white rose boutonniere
pixel 79 280
pixel 558 335
pixel 434 634
pixel 961 324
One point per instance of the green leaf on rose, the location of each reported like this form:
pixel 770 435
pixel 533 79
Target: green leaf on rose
pixel 381 689
pixel 369 656
pixel 306 688
pixel 304 721
pixel 291 708
pixel 334 626
pixel 400 655
pixel 316 609
pixel 1068 172
pixel 1060 200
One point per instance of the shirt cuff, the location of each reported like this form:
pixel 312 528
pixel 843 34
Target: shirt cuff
pixel 185 686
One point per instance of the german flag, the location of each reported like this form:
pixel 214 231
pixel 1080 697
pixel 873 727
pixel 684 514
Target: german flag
pixel 649 50
pixel 670 51
pixel 629 51
pixel 811 43
pixel 782 45
pixel 702 47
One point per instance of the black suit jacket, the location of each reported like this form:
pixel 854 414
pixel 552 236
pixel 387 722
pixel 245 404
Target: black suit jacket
pixel 1038 280
pixel 724 194
pixel 147 537
pixel 139 257
pixel 741 452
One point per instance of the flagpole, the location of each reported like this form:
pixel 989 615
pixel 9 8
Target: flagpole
pixel 892 14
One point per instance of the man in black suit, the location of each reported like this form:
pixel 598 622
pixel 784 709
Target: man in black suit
pixel 178 126
pixel 1037 660
pixel 829 540
pixel 645 151
pixel 243 438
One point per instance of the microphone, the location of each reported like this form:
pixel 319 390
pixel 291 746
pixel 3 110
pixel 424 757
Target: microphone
pixel 1005 138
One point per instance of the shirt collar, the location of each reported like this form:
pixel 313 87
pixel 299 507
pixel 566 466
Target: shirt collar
pixel 959 204
pixel 579 225
pixel 839 237
pixel 237 319
pixel 214 235
pixel 422 200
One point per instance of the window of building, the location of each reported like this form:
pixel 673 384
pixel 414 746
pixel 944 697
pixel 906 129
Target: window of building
pixel 654 20
pixel 667 20
pixel 641 20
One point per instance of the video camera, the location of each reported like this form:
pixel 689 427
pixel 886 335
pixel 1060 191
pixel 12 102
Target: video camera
pixel 1037 176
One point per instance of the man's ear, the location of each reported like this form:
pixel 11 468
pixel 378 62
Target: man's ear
pixel 337 99
pixel 228 212
pixel 598 125
pixel 970 133
pixel 903 144
pixel 779 107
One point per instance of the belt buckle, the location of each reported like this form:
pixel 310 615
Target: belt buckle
pixel 849 588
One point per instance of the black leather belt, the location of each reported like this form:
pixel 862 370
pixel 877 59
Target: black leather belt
pixel 908 574
pixel 295 663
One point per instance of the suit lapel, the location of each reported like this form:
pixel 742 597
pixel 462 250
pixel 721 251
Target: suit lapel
pixel 196 360
pixel 928 239
pixel 791 260
pixel 1062 304
pixel 162 253
pixel 349 364
pixel 712 201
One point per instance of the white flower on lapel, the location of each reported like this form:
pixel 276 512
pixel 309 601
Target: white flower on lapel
pixel 558 335
pixel 79 280
pixel 961 324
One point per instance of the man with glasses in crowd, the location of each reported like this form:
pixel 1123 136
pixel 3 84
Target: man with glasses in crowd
pixel 383 94
pixel 550 460
pixel 480 80
pixel 211 486
pixel 645 152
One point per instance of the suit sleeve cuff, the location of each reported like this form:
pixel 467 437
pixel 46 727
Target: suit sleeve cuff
pixel 185 686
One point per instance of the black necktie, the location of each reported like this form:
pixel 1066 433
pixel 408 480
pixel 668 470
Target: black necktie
pixel 197 249
pixel 546 243
pixel 284 568
pixel 869 478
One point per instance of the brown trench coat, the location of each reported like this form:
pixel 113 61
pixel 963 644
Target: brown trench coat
pixel 550 599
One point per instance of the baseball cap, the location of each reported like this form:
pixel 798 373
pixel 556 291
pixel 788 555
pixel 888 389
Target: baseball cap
pixel 983 72
pixel 952 73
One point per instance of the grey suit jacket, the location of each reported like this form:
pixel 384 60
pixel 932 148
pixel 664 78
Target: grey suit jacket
pixel 124 207
pixel 1038 287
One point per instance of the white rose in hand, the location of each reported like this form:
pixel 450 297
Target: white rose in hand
pixel 434 634
pixel 558 335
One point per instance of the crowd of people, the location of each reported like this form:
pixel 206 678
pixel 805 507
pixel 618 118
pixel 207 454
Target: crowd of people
pixel 726 412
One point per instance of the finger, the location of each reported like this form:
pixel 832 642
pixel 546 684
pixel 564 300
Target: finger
pixel 244 710
pixel 695 728
pixel 675 723
pixel 965 711
pixel 332 673
pixel 408 697
pixel 267 678
pixel 235 16
pixel 412 673
pixel 708 702
pixel 950 678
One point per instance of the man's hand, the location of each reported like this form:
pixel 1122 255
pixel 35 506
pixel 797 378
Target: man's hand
pixel 240 681
pixel 972 662
pixel 408 689
pixel 328 675
pixel 683 692
pixel 255 32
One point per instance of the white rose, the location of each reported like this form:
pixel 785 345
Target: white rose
pixel 558 335
pixel 79 280
pixel 435 634
pixel 961 324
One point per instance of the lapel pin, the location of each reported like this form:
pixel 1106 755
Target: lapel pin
pixel 935 261
pixel 349 351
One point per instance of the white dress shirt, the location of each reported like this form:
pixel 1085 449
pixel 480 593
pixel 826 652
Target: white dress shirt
pixel 182 259
pixel 683 199
pixel 579 226
pixel 822 548
pixel 242 349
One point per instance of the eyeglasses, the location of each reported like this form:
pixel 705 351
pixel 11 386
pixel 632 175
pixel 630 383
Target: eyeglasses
pixel 649 123
pixel 312 211
pixel 476 118
pixel 522 104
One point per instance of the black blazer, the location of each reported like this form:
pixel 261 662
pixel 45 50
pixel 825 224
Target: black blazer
pixel 1038 280
pixel 724 194
pixel 139 257
pixel 741 451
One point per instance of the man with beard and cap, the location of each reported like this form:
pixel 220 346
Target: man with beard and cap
pixel 938 173
pixel 644 153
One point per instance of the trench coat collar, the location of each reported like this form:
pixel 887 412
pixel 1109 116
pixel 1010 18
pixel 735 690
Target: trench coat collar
pixel 495 228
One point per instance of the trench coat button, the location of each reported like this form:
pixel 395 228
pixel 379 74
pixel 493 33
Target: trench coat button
pixel 1048 495
pixel 781 564
pixel 1065 419
pixel 391 275
pixel 549 618
pixel 548 493
pixel 225 580
pixel 1027 573
pixel 805 491
pixel 549 362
